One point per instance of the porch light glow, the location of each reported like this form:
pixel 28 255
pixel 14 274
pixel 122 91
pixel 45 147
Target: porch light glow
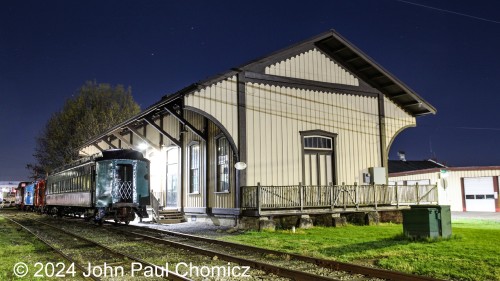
pixel 443 173
pixel 142 146
pixel 240 166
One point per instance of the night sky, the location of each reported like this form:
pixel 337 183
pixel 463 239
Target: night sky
pixel 447 51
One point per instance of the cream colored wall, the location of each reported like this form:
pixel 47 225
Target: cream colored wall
pixel 194 200
pixel 313 65
pixel 450 188
pixel 220 101
pixel 276 115
pixel 395 120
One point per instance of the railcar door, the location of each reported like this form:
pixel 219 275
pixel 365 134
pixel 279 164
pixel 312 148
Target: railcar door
pixel 125 182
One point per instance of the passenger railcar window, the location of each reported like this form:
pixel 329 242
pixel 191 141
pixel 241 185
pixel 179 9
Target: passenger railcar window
pixel 223 164
pixel 124 172
pixel 194 168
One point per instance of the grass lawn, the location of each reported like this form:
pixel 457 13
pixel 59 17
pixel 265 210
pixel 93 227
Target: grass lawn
pixel 17 245
pixel 473 253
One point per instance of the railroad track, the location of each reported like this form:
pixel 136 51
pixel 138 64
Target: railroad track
pixel 290 266
pixel 272 272
pixel 330 264
pixel 340 269
pixel 94 260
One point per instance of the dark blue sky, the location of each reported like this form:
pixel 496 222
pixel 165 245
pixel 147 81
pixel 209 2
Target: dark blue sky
pixel 449 55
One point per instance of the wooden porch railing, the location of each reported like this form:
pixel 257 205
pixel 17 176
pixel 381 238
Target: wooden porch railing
pixel 334 196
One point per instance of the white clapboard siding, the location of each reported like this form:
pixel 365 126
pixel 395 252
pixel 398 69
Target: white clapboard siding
pixel 219 100
pixel 194 200
pixel 313 65
pixel 276 115
pixel 218 199
pixel 396 119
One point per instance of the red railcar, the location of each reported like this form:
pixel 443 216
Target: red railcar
pixel 39 196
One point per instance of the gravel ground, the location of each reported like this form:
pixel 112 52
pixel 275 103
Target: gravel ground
pixel 210 230
pixel 195 228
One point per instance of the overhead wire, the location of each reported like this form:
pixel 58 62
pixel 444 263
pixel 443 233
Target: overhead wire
pixel 448 11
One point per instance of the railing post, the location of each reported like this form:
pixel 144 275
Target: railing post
pixel 375 195
pixel 344 196
pixel 331 194
pixel 258 199
pixel 356 195
pixel 418 193
pixel 301 196
pixel 397 197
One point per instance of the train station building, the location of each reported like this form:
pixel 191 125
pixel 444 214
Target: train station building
pixel 299 131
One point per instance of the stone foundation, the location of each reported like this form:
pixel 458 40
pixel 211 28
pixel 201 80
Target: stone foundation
pixel 395 216
pixel 305 222
pixel 328 220
pixel 266 224
pixel 372 218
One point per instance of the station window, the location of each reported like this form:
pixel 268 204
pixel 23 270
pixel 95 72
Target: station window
pixel 318 143
pixel 194 168
pixel 222 165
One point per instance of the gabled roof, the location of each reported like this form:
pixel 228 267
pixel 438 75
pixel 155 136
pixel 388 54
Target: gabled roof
pixel 332 44
pixel 398 166
pixel 359 64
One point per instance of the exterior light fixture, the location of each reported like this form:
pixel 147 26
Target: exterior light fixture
pixel 443 173
pixel 240 166
pixel 142 146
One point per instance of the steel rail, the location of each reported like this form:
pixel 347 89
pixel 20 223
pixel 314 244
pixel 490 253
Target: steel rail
pixel 169 274
pixel 335 265
pixel 68 258
pixel 278 270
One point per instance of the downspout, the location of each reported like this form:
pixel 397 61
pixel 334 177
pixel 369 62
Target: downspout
pixel 382 133
pixel 241 175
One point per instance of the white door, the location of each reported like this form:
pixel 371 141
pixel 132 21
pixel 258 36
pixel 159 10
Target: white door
pixel 479 194
pixel 172 178
pixel 318 169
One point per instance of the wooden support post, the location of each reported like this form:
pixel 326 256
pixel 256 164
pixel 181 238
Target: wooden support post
pixel 375 195
pixel 397 197
pixel 356 195
pixel 258 199
pixel 331 195
pixel 418 193
pixel 344 195
pixel 301 196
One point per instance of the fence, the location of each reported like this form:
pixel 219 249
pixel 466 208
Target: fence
pixel 334 196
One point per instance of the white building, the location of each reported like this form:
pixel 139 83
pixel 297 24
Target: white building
pixel 8 190
pixel 463 188
pixel 319 113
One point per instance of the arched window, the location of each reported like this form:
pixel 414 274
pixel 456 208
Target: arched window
pixel 194 168
pixel 223 154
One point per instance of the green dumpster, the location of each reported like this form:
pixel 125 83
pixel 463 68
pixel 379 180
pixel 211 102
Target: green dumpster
pixel 423 221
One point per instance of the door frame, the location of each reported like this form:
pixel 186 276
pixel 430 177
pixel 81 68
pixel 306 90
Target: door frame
pixel 179 164
pixel 333 152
